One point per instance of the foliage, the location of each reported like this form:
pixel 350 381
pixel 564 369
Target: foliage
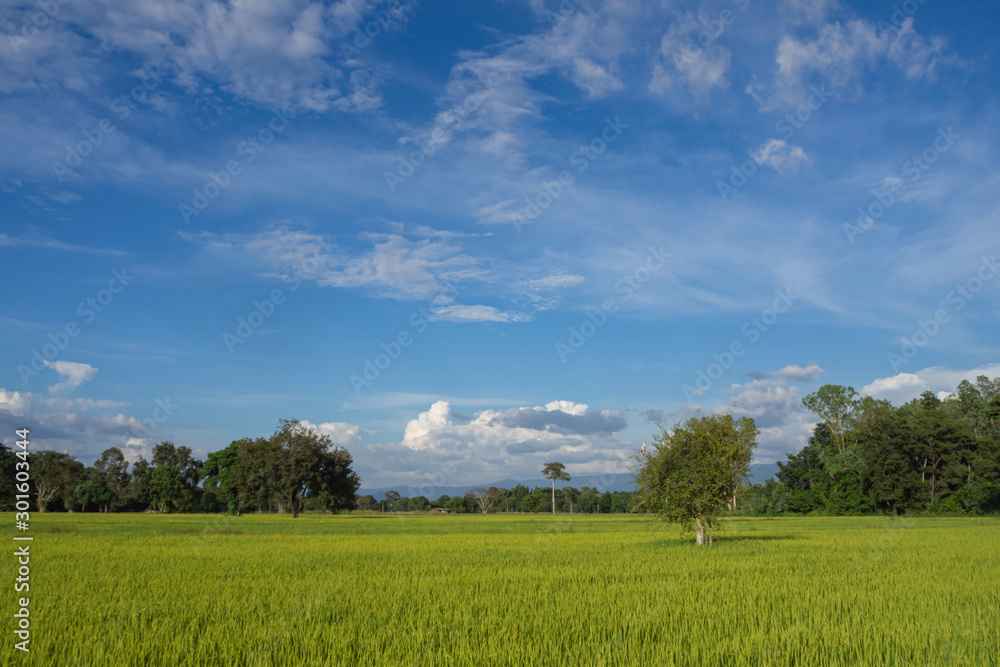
pixel 111 473
pixel 933 454
pixel 695 468
pixel 54 475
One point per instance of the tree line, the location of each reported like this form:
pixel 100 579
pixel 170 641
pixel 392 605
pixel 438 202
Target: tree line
pixel 933 454
pixel 585 500
pixel 295 469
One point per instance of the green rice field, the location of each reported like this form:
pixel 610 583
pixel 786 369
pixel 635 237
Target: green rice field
pixel 507 590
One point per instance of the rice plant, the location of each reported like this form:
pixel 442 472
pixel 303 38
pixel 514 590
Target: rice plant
pixel 510 590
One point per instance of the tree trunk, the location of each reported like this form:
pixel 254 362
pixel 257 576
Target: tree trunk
pixel 711 534
pixel 295 510
pixel 933 479
pixel 553 495
pixel 700 531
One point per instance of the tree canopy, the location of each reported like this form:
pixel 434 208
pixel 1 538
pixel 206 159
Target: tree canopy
pixel 555 471
pixel 694 468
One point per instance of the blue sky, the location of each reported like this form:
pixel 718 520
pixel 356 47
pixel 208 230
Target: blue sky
pixel 465 239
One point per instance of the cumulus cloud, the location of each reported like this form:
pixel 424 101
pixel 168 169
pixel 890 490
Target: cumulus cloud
pixel 904 387
pixel 547 423
pixel 769 402
pixel 73 374
pixel 57 423
pixel 776 407
pixel 15 402
pixel 341 433
pixel 495 444
pixel 562 417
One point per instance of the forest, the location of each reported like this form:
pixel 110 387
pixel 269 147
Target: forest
pixel 933 454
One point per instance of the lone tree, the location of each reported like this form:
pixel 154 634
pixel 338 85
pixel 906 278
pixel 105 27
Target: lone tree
pixel 485 498
pixel 694 468
pixel 555 471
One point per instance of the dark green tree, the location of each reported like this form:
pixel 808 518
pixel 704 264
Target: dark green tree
pixel 111 473
pixel 54 474
pixel 306 464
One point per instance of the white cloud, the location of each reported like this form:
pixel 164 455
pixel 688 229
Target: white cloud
pixel 497 82
pixel 73 374
pixel 555 281
pixel 769 402
pixel 776 407
pixel 435 419
pixel 53 426
pixel 461 313
pixel 411 262
pixel 269 53
pixel 550 423
pixel 840 52
pixel 341 433
pixel 394 265
pixel 15 402
pixel 440 447
pixel 781 156
pixel 593 78
pixel 683 63
pixel 904 387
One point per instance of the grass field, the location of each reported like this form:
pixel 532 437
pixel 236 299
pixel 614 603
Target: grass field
pixel 507 590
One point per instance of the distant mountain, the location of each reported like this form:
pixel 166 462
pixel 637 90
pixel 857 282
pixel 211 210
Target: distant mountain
pixel 624 482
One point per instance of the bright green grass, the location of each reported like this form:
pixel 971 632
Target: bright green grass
pixel 124 590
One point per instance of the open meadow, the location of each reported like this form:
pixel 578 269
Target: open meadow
pixel 509 589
